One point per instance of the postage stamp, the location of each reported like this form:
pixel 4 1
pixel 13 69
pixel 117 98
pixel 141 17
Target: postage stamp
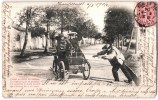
pixel 79 49
pixel 145 13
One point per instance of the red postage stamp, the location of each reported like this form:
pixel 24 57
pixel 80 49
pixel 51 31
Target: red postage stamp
pixel 145 13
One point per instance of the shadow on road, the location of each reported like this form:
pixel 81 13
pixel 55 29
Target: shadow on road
pixel 103 79
pixel 16 58
pixel 74 76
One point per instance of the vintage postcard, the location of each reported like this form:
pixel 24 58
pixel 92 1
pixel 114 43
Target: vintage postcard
pixel 79 49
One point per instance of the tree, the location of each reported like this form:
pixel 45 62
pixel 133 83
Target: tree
pixel 84 28
pixel 74 19
pixel 67 17
pixel 98 36
pixel 37 31
pixel 89 29
pixel 25 17
pixel 118 21
pixel 49 19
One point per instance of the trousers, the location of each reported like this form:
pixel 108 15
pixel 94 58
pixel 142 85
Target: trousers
pixel 124 69
pixel 63 56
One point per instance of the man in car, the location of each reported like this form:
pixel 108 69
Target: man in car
pixel 63 49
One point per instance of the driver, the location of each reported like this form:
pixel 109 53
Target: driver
pixel 63 48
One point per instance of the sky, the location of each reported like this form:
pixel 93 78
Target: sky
pixel 97 14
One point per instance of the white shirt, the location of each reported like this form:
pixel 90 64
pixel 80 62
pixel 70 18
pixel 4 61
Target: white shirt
pixel 115 53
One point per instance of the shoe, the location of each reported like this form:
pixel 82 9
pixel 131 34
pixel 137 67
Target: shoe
pixel 59 79
pixel 126 81
pixel 117 80
pixel 67 75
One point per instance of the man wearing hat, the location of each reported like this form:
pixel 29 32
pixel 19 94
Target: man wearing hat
pixel 63 48
pixel 116 59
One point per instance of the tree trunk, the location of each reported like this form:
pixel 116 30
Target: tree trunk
pixel 122 42
pixel 28 15
pixel 90 41
pixel 20 43
pixel 25 42
pixel 115 42
pixel 110 44
pixel 46 46
pixel 95 41
pixel 47 39
pixel 118 41
pixel 62 22
pixel 61 30
pixel 130 41
pixel 137 38
pixel 69 28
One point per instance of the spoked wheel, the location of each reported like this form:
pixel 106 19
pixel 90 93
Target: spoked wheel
pixel 62 69
pixel 56 70
pixel 86 71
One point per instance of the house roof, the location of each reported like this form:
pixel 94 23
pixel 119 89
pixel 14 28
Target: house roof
pixel 18 27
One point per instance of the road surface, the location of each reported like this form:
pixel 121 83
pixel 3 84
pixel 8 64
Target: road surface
pixel 100 69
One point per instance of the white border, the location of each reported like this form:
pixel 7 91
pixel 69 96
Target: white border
pixel 2 98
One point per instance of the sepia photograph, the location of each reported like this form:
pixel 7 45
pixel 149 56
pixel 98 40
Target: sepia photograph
pixel 79 49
